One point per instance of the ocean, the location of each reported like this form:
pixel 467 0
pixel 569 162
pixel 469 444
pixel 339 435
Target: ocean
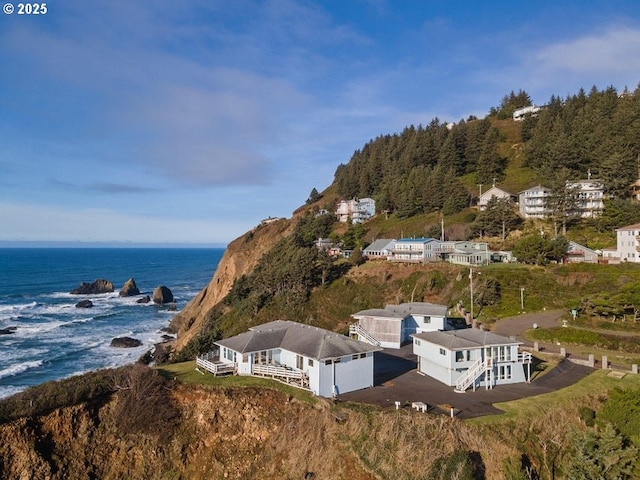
pixel 52 339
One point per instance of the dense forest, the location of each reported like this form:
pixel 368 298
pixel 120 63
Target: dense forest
pixel 420 169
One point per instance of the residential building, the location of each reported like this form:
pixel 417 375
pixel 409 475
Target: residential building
pixel 379 250
pixel 393 325
pixel 627 243
pixel 324 362
pixel 464 252
pixel 494 191
pixel 414 250
pixel 520 114
pixel 470 358
pixel 357 211
pixel 589 196
pixel 577 253
pixel 533 202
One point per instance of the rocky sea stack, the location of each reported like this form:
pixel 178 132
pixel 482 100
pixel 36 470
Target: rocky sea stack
pixel 125 342
pixel 129 289
pixel 96 287
pixel 84 304
pixel 162 295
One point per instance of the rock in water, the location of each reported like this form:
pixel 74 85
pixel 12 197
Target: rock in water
pixel 145 299
pixel 84 304
pixel 162 295
pixel 129 288
pixel 125 342
pixel 98 286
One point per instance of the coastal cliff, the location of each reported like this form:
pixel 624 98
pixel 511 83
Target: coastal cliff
pixel 198 432
pixel 239 258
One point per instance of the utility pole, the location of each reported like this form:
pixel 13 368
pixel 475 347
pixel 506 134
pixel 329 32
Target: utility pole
pixel 471 290
pixel 522 298
pixel 442 229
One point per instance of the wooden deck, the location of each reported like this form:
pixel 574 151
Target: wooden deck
pixel 212 364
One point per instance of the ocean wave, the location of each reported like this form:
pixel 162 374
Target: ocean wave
pixel 8 390
pixel 19 368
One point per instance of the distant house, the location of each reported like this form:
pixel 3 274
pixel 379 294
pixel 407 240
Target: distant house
pixel 494 191
pixel 357 211
pixel 414 250
pixel 324 362
pixel 379 250
pixel 393 325
pixel 627 245
pixel 533 202
pixel 521 113
pixel 577 253
pixel 470 358
pixel 464 252
pixel 589 197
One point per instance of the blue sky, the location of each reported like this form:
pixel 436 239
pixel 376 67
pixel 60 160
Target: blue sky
pixel 190 121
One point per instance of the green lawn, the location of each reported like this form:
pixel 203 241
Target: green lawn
pixel 596 383
pixel 186 372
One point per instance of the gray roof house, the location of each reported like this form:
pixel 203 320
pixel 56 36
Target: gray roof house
pixel 324 362
pixel 379 249
pixel 470 357
pixel 393 325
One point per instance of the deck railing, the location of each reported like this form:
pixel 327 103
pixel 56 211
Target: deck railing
pixel 356 329
pixel 212 364
pixel 282 373
pixel 469 377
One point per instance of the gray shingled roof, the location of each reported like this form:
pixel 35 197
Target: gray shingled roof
pixel 465 339
pixel 405 309
pixel 306 340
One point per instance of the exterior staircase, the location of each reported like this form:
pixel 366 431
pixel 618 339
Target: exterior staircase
pixel 356 329
pixel 470 376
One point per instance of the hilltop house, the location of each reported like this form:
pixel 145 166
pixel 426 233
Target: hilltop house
pixel 464 252
pixel 520 114
pixel 357 211
pixel 379 250
pixel 414 250
pixel 470 358
pixel 577 253
pixel 533 202
pixel 324 362
pixel 627 245
pixel 494 191
pixel 391 326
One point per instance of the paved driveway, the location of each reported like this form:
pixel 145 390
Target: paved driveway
pixel 396 379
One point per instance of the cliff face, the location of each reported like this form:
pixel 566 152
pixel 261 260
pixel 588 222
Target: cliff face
pixel 240 257
pixel 242 433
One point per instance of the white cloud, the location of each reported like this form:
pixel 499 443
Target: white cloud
pixel 614 51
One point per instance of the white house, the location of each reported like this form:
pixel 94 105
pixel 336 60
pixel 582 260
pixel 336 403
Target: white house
pixel 379 250
pixel 357 211
pixel 470 358
pixel 532 203
pixel 414 250
pixel 520 114
pixel 393 325
pixel 494 191
pixel 627 244
pixel 324 362
pixel 589 197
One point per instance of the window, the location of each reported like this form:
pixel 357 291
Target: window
pixel 427 320
pixel 363 355
pixel 354 357
pixel 310 362
pixel 459 356
pixel 416 341
pixel 328 362
pixel 442 351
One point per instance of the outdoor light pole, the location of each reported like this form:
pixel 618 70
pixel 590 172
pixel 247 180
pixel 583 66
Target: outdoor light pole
pixel 471 289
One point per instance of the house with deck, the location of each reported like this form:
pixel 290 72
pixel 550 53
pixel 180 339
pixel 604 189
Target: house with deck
pixel 464 252
pixel 312 358
pixel 414 250
pixel 379 249
pixel 471 358
pixel 393 325
pixel 493 192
